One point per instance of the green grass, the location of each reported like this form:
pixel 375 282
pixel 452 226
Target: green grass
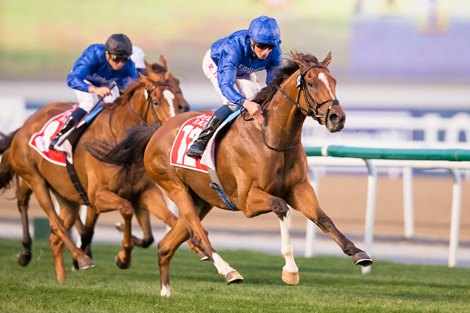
pixel 328 284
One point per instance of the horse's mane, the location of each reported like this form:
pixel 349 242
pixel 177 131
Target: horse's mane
pixel 155 76
pixel 290 66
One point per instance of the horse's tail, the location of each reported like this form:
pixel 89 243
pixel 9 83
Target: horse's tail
pixel 6 172
pixel 128 152
pixel 5 141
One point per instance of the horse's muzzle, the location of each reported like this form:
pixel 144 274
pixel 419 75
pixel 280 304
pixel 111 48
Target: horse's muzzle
pixel 335 122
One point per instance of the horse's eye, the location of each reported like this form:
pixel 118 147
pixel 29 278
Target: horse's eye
pixel 155 102
pixel 310 84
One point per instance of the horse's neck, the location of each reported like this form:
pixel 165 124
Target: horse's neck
pixel 122 118
pixel 284 121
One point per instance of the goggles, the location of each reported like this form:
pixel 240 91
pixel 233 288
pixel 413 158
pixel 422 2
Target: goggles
pixel 264 46
pixel 120 58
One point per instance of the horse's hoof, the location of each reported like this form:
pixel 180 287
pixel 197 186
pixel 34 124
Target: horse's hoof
pixel 75 265
pixel 85 263
pixel 361 258
pixel 290 278
pixel 202 256
pixel 233 277
pixel 23 258
pixel 120 264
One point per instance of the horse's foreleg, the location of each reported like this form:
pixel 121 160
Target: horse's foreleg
pixel 259 202
pixel 108 201
pixel 23 193
pixel 303 199
pixel 57 248
pixel 290 271
pixel 87 229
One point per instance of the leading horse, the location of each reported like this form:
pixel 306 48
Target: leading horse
pixel 152 100
pixel 262 168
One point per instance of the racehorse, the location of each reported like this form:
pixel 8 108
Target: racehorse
pixel 262 168
pixel 152 100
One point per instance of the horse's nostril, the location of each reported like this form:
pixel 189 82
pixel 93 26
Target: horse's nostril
pixel 333 118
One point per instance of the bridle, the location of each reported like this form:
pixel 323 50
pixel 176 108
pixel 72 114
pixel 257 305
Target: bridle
pixel 311 110
pixel 150 104
pixel 150 107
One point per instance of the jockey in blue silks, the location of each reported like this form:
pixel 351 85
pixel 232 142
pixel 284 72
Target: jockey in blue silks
pixel 230 65
pixel 102 72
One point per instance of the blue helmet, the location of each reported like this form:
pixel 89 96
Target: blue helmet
pixel 265 30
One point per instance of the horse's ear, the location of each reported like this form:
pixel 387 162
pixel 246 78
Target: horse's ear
pixel 327 60
pixel 298 59
pixel 148 67
pixel 162 61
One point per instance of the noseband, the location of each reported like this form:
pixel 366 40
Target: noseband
pixel 311 110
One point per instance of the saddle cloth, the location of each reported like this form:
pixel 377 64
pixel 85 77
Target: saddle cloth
pixel 40 141
pixel 188 133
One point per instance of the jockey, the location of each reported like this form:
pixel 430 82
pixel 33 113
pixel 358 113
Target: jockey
pixel 100 73
pixel 230 65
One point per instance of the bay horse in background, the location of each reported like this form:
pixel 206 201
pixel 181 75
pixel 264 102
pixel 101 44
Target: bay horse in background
pixel 262 168
pixel 152 100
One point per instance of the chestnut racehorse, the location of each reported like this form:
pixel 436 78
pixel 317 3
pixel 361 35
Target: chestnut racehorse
pixel 152 100
pixel 262 168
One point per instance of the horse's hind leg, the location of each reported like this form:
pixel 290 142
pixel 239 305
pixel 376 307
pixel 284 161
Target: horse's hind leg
pixel 152 200
pixel 57 228
pixel 23 195
pixel 166 249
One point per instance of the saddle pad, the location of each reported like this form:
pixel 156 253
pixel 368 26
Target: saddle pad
pixel 188 132
pixel 40 141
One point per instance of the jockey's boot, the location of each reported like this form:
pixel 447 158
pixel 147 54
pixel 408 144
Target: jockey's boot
pixel 197 148
pixel 67 126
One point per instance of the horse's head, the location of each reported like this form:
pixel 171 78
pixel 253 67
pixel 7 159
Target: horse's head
pixel 163 92
pixel 319 89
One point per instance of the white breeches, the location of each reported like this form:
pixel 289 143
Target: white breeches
pixel 88 100
pixel 247 85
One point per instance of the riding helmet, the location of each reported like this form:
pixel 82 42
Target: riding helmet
pixel 265 30
pixel 119 44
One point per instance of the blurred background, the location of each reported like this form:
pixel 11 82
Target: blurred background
pixel 372 41
pixel 402 70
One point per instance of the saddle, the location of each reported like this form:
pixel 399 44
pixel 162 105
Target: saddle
pixel 187 133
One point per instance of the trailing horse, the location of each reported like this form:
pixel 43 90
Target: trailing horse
pixel 152 100
pixel 262 168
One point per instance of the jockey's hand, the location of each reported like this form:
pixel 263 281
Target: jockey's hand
pixel 254 110
pixel 100 91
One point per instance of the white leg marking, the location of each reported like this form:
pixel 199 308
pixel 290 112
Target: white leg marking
pixel 169 96
pixel 286 246
pixel 222 267
pixel 323 78
pixel 165 292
